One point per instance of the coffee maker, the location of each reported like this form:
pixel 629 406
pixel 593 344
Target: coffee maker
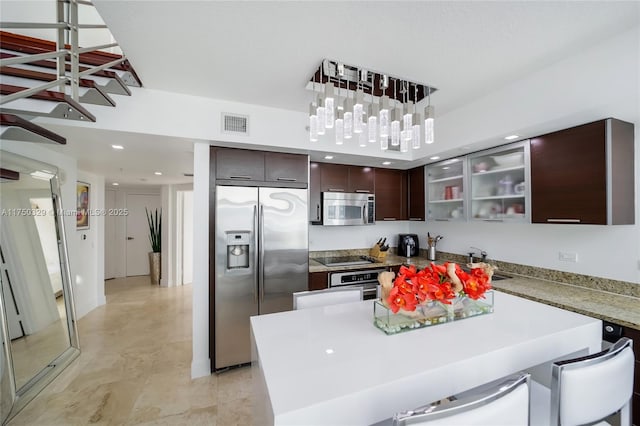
pixel 408 245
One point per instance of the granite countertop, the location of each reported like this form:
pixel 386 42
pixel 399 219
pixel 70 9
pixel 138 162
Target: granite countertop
pixel 618 308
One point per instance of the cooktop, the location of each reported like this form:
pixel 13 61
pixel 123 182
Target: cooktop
pixel 345 260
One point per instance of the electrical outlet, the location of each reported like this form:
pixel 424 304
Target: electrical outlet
pixel 567 256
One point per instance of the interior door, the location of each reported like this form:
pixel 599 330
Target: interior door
pixel 110 237
pixel 138 245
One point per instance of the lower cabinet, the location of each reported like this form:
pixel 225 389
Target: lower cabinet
pixel 318 280
pixel 613 332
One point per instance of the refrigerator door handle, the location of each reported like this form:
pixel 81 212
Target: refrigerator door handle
pixel 255 253
pixel 261 260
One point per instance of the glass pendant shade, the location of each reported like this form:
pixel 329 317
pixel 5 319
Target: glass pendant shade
pixel 407 118
pixel 322 119
pixel 348 119
pixel 339 131
pixel 358 112
pixel 428 125
pixel 395 133
pixel 363 137
pixel 329 105
pixel 404 143
pixel 313 124
pixel 384 143
pixel 415 139
pixel 373 128
pixel 384 116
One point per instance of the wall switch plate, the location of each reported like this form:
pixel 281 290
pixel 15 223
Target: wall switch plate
pixel 567 256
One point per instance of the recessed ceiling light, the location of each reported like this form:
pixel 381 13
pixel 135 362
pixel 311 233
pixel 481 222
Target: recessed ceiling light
pixel 511 137
pixel 115 184
pixel 328 157
pixel 157 173
pixel 446 168
pixel 117 146
pixel 386 163
pixel 435 157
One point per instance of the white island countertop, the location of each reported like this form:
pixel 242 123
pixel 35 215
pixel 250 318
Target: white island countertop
pixel 331 365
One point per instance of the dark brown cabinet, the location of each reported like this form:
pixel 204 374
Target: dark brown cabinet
pixel 280 167
pixel 334 177
pixel 318 280
pixel 361 179
pixel 239 165
pixel 391 194
pixel 584 175
pixel 416 200
pixel 242 166
pixel 315 193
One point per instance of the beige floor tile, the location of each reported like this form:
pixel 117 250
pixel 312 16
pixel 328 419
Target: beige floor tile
pixel 135 368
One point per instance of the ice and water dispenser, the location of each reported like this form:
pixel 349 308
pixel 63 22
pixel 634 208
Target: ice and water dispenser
pixel 238 249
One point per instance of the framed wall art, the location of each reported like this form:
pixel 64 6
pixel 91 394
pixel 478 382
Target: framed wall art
pixel 83 191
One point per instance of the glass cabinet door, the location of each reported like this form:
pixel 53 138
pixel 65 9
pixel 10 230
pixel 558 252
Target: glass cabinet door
pixel 445 193
pixel 499 183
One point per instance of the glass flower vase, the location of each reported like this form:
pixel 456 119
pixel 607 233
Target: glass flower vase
pixel 431 313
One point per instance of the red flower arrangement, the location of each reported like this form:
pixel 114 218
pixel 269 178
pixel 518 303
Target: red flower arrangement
pixel 440 283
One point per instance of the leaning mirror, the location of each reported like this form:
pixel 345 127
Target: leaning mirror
pixel 38 317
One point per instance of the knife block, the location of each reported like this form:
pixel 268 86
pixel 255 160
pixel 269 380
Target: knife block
pixel 375 252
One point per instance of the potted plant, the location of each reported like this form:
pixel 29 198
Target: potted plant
pixel 154 220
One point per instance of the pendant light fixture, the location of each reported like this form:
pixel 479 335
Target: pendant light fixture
pixel 391 115
pixel 395 122
pixel 416 129
pixel 358 106
pixel 429 114
pixel 372 122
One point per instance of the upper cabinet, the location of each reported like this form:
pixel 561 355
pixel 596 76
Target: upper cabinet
pixel 499 183
pixel 391 194
pixel 362 179
pixel 584 174
pixel 446 189
pixel 239 164
pixel 286 168
pixel 342 178
pixel 415 178
pixel 258 168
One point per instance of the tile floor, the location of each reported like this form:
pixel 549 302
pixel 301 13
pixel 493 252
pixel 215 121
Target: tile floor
pixel 135 368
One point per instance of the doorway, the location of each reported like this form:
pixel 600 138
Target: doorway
pixel 137 228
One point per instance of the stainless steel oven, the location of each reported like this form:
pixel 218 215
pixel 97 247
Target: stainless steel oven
pixel 365 278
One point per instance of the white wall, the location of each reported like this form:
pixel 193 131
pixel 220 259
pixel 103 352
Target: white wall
pixel 89 243
pixel 87 291
pixel 200 362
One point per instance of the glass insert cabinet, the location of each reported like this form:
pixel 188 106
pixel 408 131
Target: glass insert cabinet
pixel 491 185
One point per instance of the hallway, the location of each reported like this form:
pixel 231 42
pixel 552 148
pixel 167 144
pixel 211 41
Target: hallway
pixel 135 366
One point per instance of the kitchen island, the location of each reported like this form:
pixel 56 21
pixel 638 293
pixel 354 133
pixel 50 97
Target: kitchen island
pixel 330 365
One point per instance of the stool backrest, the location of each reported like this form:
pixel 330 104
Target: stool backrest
pixel 588 389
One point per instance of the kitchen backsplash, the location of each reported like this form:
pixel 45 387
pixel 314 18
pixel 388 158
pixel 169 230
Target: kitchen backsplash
pixel 603 284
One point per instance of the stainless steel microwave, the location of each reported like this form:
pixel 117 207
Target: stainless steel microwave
pixel 340 208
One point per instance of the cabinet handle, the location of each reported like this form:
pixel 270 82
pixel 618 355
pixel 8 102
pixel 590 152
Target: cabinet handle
pixel 442 220
pixel 363 190
pixel 388 218
pixel 287 179
pixel 493 220
pixel 240 177
pixel 317 211
pixel 336 189
pixel 564 220
pixel 415 218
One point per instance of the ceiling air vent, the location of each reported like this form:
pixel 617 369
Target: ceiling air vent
pixel 234 123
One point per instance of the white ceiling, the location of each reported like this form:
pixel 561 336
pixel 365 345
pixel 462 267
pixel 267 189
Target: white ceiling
pixel 264 52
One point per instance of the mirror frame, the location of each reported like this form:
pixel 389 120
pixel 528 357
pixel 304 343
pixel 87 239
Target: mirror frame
pixel 21 397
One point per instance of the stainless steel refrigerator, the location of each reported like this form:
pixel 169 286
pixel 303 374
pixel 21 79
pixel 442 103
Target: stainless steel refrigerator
pixel 261 259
